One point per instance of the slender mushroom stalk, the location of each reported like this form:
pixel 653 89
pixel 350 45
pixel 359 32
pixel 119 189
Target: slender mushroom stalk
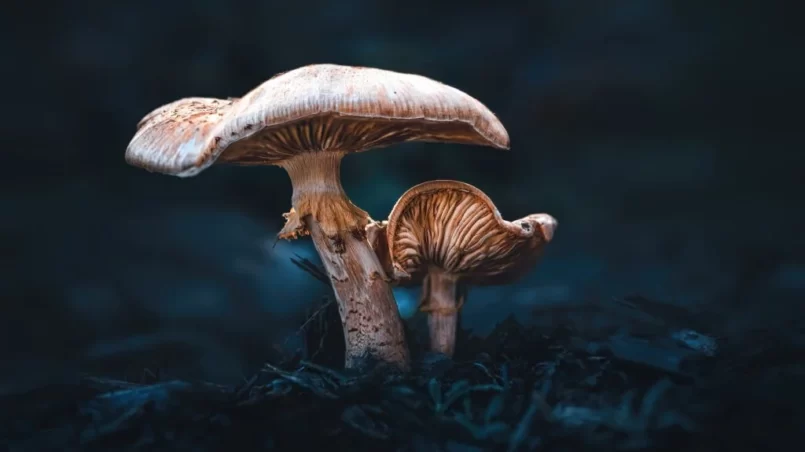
pixel 447 234
pixel 441 300
pixel 306 121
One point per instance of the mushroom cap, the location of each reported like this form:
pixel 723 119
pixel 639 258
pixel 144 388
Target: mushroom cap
pixel 320 107
pixel 456 227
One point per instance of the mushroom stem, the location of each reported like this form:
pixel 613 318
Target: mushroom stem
pixel 440 299
pixel 317 191
pixel 373 329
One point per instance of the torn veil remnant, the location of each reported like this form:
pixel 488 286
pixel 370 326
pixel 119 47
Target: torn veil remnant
pixel 448 234
pixel 306 121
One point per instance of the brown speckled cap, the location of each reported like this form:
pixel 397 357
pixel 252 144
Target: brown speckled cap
pixel 456 227
pixel 314 108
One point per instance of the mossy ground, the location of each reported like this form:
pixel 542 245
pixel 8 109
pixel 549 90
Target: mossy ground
pixel 519 388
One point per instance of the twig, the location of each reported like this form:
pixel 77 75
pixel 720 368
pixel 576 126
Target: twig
pixel 300 381
pixel 312 269
pixel 315 314
pixel 324 370
pixel 312 317
pixel 520 433
pixel 247 386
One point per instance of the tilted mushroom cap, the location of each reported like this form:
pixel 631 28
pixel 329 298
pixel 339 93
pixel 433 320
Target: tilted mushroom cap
pixel 455 226
pixel 314 108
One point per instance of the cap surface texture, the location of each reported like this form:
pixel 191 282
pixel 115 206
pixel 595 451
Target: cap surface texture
pixel 313 108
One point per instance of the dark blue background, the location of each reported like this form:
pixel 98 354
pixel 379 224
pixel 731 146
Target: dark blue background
pixel 662 134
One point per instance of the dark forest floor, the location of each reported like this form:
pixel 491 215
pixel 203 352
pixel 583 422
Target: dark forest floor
pixel 519 388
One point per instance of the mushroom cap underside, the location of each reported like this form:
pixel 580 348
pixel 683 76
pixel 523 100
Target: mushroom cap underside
pixel 454 226
pixel 314 108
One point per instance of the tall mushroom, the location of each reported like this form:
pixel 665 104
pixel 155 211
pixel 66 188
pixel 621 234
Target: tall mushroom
pixel 447 234
pixel 306 121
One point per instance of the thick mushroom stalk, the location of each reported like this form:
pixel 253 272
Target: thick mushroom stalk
pixel 365 300
pixel 447 234
pixel 305 121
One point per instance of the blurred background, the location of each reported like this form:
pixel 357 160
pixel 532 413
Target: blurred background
pixel 657 132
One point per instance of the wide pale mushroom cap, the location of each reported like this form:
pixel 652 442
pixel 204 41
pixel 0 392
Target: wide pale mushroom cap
pixel 456 227
pixel 314 108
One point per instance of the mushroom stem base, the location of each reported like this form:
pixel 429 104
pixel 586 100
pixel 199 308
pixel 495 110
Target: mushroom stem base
pixel 373 330
pixel 442 301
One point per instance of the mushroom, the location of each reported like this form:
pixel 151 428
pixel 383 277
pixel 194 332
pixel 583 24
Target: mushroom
pixel 448 234
pixel 306 121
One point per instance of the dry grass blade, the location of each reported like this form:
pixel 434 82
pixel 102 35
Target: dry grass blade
pixel 312 269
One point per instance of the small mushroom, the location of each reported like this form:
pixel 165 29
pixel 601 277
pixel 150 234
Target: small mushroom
pixel 448 234
pixel 306 121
